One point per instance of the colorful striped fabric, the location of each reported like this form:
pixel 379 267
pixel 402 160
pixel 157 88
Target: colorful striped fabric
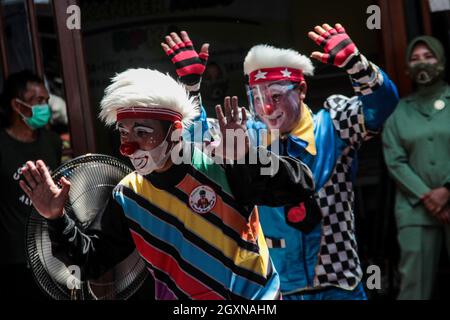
pixel 220 254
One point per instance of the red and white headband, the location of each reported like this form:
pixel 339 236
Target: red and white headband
pixel 275 74
pixel 148 113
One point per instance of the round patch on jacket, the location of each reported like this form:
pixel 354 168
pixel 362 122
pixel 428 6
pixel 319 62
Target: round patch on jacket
pixel 439 104
pixel 202 199
pixel 297 214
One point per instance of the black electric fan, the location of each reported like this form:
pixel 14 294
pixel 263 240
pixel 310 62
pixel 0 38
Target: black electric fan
pixel 92 177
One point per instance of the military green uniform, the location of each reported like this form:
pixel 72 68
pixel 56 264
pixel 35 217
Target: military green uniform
pixel 416 141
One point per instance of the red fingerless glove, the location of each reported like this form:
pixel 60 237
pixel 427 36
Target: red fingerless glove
pixel 188 63
pixel 339 49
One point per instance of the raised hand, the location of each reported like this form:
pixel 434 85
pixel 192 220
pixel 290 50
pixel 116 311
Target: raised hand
pixel 339 49
pixel 47 197
pixel 189 64
pixel 234 142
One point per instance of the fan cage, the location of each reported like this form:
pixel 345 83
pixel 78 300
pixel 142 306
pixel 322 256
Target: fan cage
pixel 92 177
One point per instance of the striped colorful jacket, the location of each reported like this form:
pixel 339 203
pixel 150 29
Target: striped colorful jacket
pixel 197 227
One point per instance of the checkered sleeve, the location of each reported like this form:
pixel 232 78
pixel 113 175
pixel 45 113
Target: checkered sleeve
pixel 348 118
pixel 365 76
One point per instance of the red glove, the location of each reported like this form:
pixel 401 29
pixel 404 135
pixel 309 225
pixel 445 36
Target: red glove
pixel 339 49
pixel 189 64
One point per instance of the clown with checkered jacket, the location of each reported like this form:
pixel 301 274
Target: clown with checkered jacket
pixel 313 245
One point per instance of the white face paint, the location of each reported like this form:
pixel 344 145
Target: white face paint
pixel 277 104
pixel 145 162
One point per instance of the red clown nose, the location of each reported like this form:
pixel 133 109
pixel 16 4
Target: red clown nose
pixel 268 109
pixel 128 148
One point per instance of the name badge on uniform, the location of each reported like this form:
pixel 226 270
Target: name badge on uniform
pixel 439 104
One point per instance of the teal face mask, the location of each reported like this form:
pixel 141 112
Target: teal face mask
pixel 40 117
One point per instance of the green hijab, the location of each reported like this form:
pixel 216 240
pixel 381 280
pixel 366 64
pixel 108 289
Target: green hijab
pixel 434 44
pixel 426 94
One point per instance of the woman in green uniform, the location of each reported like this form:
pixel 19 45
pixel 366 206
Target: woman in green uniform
pixel 416 142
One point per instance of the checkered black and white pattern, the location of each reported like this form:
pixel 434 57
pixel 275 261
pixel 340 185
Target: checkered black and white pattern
pixel 365 76
pixel 348 118
pixel 338 263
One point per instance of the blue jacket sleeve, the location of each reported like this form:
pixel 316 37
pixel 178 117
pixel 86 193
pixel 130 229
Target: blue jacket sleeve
pixel 378 105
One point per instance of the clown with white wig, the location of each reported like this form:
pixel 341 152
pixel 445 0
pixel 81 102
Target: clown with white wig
pixel 195 224
pixel 312 243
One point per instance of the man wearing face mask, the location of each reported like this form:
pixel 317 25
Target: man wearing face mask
pixel 416 142
pixel 194 223
pixel 315 260
pixel 24 115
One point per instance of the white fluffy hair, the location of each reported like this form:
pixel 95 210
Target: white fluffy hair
pixel 266 56
pixel 147 88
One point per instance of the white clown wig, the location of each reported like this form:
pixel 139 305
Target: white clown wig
pixel 265 56
pixel 150 89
